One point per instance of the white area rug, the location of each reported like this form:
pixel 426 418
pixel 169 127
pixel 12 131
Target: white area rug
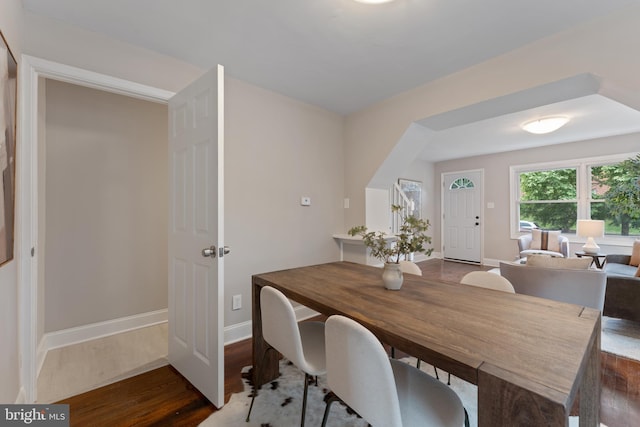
pixel 279 403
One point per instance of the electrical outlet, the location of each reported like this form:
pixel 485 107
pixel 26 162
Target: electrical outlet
pixel 236 302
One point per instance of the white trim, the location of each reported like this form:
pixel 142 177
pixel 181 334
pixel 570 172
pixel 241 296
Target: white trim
pixel 76 335
pixel 31 69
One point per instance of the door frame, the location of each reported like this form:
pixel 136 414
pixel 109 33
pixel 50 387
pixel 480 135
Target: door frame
pixel 442 228
pixel 31 69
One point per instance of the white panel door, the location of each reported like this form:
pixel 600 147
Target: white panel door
pixel 196 159
pixel 461 216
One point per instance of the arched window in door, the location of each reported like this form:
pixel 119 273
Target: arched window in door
pixel 461 183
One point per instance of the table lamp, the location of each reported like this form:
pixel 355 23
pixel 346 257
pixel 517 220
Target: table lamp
pixel 590 228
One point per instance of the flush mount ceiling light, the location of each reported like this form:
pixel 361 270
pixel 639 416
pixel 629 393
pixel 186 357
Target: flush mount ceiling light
pixel 545 124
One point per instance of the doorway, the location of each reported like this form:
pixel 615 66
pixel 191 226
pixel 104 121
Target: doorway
pixel 103 204
pixel 29 245
pixel 462 194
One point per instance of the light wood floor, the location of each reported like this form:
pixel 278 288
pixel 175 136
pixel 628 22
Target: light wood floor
pixel 162 397
pixel 77 368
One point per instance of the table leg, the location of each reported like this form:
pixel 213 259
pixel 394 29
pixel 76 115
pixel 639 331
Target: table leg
pixel 265 362
pixel 599 263
pixel 505 399
pixel 590 388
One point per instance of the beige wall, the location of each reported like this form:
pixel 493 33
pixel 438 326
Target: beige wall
pixel 276 151
pixel 12 29
pixel 106 206
pixel 604 47
pixel 498 244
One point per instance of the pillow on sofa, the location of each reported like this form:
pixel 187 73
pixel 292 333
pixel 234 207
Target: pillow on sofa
pixel 553 262
pixel 545 240
pixel 635 254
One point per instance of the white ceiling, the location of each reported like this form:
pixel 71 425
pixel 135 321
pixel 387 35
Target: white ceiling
pixel 339 54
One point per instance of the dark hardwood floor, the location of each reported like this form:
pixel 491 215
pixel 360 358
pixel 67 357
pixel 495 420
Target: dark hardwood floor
pixel 162 397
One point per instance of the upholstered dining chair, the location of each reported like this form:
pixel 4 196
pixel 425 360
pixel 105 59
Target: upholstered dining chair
pixel 485 279
pixel 385 392
pixel 585 287
pixel 302 343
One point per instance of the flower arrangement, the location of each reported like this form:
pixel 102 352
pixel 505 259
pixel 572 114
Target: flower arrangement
pixel 410 239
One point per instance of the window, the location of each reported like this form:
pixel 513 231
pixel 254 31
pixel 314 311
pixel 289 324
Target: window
pixel 548 198
pixel 461 183
pixel 554 195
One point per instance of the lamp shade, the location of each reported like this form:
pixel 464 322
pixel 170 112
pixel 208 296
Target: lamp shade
pixel 590 228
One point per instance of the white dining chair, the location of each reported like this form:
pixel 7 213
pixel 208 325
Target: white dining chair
pixel 410 267
pixel 302 343
pixel 385 392
pixel 485 279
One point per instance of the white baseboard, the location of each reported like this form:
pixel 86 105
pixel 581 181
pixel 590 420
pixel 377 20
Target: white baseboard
pixel 243 331
pixel 93 331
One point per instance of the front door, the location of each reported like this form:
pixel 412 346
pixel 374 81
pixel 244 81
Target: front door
pixel 462 216
pixel 196 158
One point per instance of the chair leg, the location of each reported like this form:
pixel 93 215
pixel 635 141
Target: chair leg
pixel 307 378
pixel 393 352
pixel 436 371
pixel 331 397
pixel 466 418
pixel 449 378
pixel 418 364
pixel 255 393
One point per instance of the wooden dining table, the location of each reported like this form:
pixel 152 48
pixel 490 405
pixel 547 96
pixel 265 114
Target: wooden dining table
pixel 531 358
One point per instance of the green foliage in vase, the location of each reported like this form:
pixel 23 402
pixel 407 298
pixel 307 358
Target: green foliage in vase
pixel 410 239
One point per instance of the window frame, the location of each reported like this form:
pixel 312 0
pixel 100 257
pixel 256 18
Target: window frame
pixel 583 191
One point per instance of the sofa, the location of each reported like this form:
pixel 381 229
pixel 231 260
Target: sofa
pixel 622 299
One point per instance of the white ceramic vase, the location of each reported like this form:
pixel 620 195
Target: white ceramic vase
pixel 392 276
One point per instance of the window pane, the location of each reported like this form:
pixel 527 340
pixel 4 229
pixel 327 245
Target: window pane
pixel 550 216
pixel 618 187
pixel 557 184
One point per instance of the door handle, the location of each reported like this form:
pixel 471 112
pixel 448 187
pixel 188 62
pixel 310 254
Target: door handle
pixel 223 251
pixel 209 252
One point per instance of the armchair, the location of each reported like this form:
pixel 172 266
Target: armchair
pixel 524 247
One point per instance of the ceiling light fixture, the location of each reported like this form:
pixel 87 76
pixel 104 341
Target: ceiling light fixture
pixel 545 124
